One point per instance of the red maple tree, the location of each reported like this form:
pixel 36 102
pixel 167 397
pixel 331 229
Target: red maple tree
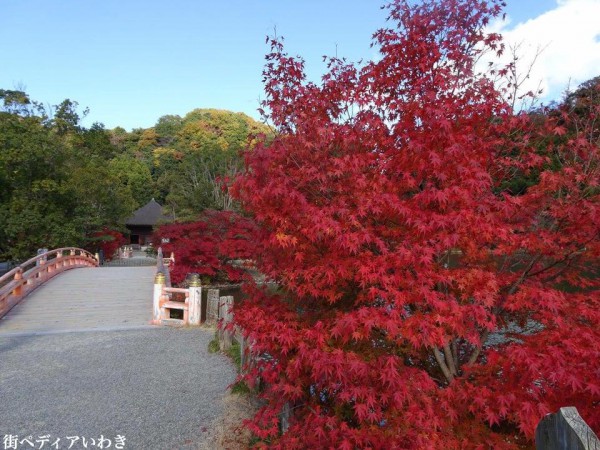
pixel 108 241
pixel 208 245
pixel 423 302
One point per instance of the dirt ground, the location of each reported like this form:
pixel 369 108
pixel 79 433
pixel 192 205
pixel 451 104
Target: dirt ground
pixel 228 432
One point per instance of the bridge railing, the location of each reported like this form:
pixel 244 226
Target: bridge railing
pixel 23 279
pixel 164 296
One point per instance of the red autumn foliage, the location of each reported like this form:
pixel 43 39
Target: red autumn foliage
pixel 108 241
pixel 207 245
pixel 422 303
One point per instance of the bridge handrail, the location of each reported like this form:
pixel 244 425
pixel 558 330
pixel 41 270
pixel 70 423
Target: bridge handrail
pixel 24 278
pixel 45 257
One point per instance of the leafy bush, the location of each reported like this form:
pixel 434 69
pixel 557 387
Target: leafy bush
pixel 420 304
pixel 109 241
pixel 208 245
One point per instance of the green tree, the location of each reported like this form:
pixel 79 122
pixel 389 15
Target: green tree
pixel 97 143
pixel 134 175
pixel 204 154
pixel 34 200
pixel 167 128
pixel 57 186
pixel 101 199
pixel 66 117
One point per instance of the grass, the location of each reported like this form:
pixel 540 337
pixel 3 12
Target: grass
pixel 234 352
pixel 213 346
pixel 235 355
pixel 240 388
pixel 231 434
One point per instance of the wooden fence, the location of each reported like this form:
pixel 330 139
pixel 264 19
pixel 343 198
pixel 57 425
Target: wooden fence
pixel 220 309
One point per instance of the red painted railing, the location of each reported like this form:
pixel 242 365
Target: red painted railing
pixel 20 281
pixel 163 302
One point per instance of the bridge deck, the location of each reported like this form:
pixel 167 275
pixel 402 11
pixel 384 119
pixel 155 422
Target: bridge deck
pixel 108 298
pixel 157 387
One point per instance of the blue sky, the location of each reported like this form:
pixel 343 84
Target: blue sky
pixel 133 61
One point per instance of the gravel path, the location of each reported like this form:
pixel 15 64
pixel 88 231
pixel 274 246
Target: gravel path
pixel 159 387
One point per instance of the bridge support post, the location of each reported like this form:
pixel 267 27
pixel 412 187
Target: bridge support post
pixel 195 301
pixel 159 284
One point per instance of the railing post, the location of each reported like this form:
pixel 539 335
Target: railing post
pixel 18 290
pixel 72 260
pixel 50 269
pixel 41 275
pixel 195 301
pixel 159 284
pixel 59 262
pixel 53 265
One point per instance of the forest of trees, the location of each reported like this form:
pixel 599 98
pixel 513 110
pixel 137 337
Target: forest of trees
pixel 62 184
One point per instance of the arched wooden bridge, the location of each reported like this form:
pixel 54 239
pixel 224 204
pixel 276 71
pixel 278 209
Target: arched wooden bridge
pixel 79 357
pixel 89 298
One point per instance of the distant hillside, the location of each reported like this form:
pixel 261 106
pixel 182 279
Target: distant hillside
pixel 187 155
pixel 64 185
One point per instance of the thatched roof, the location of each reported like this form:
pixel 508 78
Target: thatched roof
pixel 148 215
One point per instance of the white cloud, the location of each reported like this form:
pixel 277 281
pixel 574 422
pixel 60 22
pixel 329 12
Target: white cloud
pixel 569 35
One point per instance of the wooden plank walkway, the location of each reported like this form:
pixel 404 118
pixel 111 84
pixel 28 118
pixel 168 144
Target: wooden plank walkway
pixel 104 298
